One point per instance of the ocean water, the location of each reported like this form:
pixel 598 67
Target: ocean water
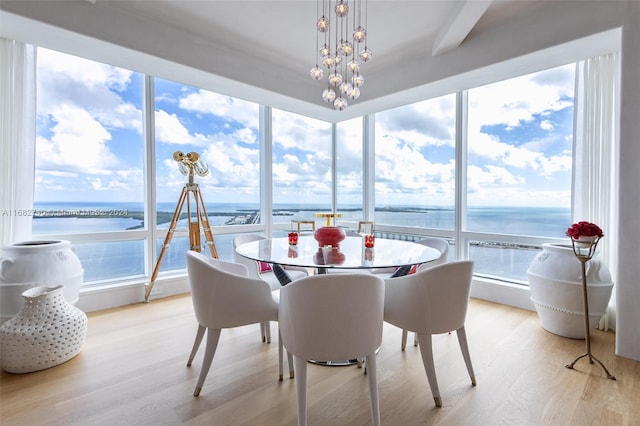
pixel 120 259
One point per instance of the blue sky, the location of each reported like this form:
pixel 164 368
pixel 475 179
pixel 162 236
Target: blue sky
pixel 90 142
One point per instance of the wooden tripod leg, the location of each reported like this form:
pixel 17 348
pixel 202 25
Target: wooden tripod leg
pixel 207 227
pixel 194 227
pixel 167 241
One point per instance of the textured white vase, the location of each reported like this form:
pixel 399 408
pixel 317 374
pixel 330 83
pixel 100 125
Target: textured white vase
pixel 555 282
pixel 27 264
pixel 46 332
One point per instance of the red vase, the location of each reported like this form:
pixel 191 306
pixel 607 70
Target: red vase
pixel 329 236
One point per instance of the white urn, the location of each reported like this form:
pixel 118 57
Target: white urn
pixel 28 264
pixel 555 282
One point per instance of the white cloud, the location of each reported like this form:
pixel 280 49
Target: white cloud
pixel 206 102
pixel 79 144
pixel 170 130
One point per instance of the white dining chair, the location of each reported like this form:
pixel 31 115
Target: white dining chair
pixel 262 271
pixel 439 244
pixel 432 301
pixel 224 296
pixel 333 317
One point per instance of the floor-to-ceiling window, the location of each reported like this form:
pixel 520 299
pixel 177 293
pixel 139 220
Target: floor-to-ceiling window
pixel 349 163
pixel 224 132
pixel 302 167
pixel 519 154
pixel 89 162
pixel 415 164
pixel 91 150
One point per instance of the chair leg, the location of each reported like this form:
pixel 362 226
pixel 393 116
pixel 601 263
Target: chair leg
pixel 426 350
pixel 213 336
pixel 267 332
pixel 280 346
pixel 196 344
pixel 464 346
pixel 374 401
pixel 263 334
pixel 415 340
pixel 301 389
pixel 403 346
pixel 291 365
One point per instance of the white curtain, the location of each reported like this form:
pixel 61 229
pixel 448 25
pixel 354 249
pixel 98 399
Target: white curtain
pixel 17 139
pixel 595 165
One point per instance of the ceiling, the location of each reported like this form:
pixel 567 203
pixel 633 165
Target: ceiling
pixel 262 50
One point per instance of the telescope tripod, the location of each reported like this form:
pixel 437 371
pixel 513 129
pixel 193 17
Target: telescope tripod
pixel 201 222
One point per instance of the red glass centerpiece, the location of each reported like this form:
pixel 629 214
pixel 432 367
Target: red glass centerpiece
pixel 329 236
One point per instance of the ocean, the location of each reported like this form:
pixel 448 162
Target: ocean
pixel 116 260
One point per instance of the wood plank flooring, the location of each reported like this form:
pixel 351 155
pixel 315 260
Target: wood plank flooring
pixel 132 371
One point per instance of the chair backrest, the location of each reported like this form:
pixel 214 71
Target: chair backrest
pixel 439 244
pixel 329 317
pixel 431 301
pixel 225 296
pixel 252 266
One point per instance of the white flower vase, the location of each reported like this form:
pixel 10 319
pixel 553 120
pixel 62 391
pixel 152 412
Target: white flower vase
pixel 47 331
pixel 555 282
pixel 27 264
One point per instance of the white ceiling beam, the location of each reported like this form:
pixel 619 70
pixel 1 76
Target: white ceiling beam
pixel 456 28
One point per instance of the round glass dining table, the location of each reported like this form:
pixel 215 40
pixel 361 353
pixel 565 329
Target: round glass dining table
pixel 351 253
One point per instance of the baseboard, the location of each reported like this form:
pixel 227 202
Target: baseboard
pixel 502 292
pixel 111 296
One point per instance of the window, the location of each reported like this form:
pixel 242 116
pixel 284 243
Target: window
pixel 89 160
pixel 349 162
pixel 302 162
pixel 91 185
pixel 415 164
pixel 520 138
pixel 224 131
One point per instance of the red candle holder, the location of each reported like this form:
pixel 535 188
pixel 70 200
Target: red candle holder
pixel 369 241
pixel 293 238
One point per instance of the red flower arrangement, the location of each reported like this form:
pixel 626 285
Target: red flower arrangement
pixel 584 229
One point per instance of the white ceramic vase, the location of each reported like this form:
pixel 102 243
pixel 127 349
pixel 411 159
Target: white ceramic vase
pixel 555 282
pixel 27 264
pixel 46 332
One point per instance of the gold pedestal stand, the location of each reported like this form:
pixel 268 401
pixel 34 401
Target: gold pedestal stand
pixel 584 253
pixel 188 162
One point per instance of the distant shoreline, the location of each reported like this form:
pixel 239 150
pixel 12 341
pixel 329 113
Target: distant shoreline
pixel 237 217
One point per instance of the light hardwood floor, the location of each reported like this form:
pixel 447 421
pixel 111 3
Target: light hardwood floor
pixel 132 371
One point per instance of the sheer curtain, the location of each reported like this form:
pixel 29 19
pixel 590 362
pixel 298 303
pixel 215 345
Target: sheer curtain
pixel 595 165
pixel 17 139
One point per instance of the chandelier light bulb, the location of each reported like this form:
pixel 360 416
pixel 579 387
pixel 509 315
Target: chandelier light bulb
pixel 345 87
pixel 359 35
pixel 323 24
pixel 366 55
pixel 340 104
pixel 337 59
pixel 316 73
pixel 353 93
pixel 335 79
pixel 329 62
pixel 347 49
pixel 328 95
pixel 325 51
pixel 358 80
pixel 353 66
pixel 342 8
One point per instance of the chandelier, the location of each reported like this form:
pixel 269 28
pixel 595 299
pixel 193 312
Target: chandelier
pixel 343 52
